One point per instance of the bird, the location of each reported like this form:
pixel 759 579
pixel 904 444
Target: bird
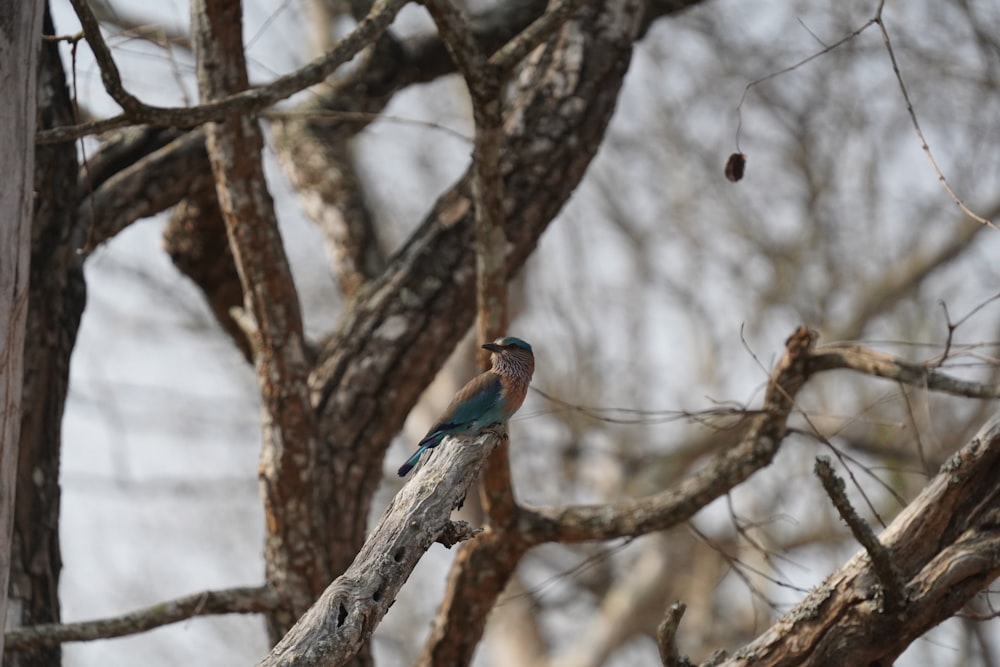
pixel 487 401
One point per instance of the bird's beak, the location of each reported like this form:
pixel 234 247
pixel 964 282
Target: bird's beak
pixel 492 347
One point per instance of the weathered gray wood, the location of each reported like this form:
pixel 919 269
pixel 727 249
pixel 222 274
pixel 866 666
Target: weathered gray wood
pixel 945 544
pixel 56 299
pixel 20 39
pixel 342 620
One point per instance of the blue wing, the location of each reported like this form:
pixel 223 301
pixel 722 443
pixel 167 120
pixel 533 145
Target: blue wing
pixel 477 405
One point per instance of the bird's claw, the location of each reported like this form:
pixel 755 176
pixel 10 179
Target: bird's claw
pixel 497 430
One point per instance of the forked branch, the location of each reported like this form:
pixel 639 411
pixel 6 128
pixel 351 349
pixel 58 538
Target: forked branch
pixel 945 545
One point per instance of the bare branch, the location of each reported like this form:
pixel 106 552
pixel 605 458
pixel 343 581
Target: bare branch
pixel 893 586
pixel 130 194
pixel 315 149
pixel 343 618
pixel 247 101
pixel 666 633
pixel 755 450
pixel 878 20
pixel 195 238
pixel 672 506
pixel 945 544
pixel 227 601
pixel 791 68
pixel 879 364
pixel 109 70
pixel 916 124
pixel 479 574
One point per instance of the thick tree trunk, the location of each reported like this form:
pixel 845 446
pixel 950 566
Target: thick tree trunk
pixel 55 305
pixel 20 25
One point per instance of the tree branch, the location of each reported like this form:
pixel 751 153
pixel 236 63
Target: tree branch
pixel 419 59
pixel 248 101
pixel 892 583
pixel 879 364
pixel 756 450
pixel 195 238
pixel 130 194
pixel 343 618
pixel 105 62
pixel 494 29
pixel 295 568
pixel 479 574
pixel 666 634
pixel 945 544
pixel 315 150
pixel 227 601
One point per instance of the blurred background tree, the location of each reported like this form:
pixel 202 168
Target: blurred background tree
pixel 657 301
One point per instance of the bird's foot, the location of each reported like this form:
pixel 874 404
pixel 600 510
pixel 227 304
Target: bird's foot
pixel 498 430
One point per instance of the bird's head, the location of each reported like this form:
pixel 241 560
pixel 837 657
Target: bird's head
pixel 512 357
pixel 508 343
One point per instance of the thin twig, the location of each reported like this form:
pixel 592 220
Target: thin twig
pixel 791 68
pixel 321 116
pixel 70 39
pixel 916 124
pixel 953 326
pixel 919 441
pixel 742 571
pixel 876 19
pixel 893 586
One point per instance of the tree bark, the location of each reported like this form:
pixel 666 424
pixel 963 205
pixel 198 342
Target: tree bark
pixel 339 625
pixel 20 29
pixel 56 299
pixel 294 567
pixel 945 544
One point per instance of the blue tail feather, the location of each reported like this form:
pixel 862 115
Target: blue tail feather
pixel 412 461
pixel 433 439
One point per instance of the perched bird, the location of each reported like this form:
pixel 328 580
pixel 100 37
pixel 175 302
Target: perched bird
pixel 486 401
